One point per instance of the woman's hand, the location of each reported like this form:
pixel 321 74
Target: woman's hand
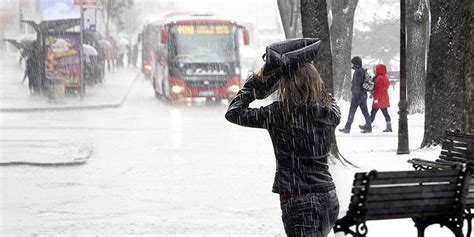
pixel 264 85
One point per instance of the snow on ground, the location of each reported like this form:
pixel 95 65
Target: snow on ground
pixel 174 170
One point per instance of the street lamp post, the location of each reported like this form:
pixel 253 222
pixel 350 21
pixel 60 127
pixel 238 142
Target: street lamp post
pixel 403 147
pixel 83 86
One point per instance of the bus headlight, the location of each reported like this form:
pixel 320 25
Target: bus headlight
pixel 177 89
pixel 148 67
pixel 234 88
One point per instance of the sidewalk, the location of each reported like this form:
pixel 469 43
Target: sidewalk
pixel 15 96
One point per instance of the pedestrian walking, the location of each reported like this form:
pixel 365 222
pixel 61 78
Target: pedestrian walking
pixel 359 97
pixel 112 54
pixel 32 71
pixel 300 125
pixel 134 55
pixel 381 99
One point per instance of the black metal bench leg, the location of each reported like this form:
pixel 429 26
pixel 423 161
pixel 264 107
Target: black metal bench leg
pixel 420 225
pixel 421 232
pixel 344 225
pixel 468 216
pixel 454 224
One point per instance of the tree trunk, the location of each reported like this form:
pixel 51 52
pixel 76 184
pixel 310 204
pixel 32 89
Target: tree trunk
pixel 417 30
pixel 290 14
pixel 341 42
pixel 314 21
pixel 468 76
pixel 444 98
pixel 107 19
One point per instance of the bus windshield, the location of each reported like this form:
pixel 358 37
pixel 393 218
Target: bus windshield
pixel 203 43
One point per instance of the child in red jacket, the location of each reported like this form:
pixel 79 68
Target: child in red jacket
pixel 381 100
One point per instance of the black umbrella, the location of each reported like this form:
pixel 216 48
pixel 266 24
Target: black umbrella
pixel 27 43
pixel 285 56
pixel 13 42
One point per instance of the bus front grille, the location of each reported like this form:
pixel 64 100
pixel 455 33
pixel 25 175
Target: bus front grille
pixel 206 84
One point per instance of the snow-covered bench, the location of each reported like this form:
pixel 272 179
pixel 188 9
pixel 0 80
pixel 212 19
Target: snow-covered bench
pixel 429 197
pixel 457 151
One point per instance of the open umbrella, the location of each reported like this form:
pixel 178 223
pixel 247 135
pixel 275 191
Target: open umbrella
pixel 122 35
pixel 13 42
pixel 104 44
pixel 89 50
pixel 27 43
pixel 122 41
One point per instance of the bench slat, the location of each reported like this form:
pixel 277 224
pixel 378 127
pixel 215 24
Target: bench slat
pixel 450 144
pixel 405 189
pixel 459 134
pixel 449 163
pixel 455 159
pixel 408 204
pixel 448 154
pixel 402 174
pixel 421 162
pixel 408 196
pixel 470 203
pixel 461 138
pixel 409 212
pixel 422 212
pixel 460 150
pixel 410 180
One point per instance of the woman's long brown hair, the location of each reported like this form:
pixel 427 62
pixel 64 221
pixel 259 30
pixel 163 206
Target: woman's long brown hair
pixel 303 88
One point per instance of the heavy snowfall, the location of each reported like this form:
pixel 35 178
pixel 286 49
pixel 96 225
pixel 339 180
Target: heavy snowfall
pixel 122 160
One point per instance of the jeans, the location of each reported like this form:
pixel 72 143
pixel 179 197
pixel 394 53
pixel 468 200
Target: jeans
pixel 384 112
pixel 355 103
pixel 312 214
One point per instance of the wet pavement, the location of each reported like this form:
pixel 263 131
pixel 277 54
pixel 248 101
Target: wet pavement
pixel 15 95
pixel 160 169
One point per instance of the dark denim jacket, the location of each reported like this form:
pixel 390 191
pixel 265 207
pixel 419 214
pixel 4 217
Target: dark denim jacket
pixel 302 150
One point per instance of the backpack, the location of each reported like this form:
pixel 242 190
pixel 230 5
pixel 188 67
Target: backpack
pixel 368 84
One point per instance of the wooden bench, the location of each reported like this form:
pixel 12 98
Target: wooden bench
pixel 428 197
pixel 457 150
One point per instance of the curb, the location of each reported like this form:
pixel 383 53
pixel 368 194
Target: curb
pixel 70 108
pixel 82 160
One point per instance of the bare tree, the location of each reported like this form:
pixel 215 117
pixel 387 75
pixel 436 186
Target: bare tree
pixel 341 42
pixel 111 10
pixel 468 75
pixel 380 42
pixel 445 80
pixel 417 15
pixel 290 17
pixel 314 21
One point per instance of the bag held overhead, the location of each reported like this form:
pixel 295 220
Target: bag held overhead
pixel 285 56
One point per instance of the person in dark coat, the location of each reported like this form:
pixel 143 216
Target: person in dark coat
pixel 381 99
pixel 134 55
pixel 359 97
pixel 300 125
pixel 32 71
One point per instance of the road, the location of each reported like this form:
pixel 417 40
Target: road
pixel 156 168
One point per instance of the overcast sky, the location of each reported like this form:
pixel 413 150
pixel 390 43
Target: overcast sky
pixel 367 10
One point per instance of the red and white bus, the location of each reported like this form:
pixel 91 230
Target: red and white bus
pixel 193 55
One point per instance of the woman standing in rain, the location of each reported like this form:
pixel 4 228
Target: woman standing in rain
pixel 300 125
